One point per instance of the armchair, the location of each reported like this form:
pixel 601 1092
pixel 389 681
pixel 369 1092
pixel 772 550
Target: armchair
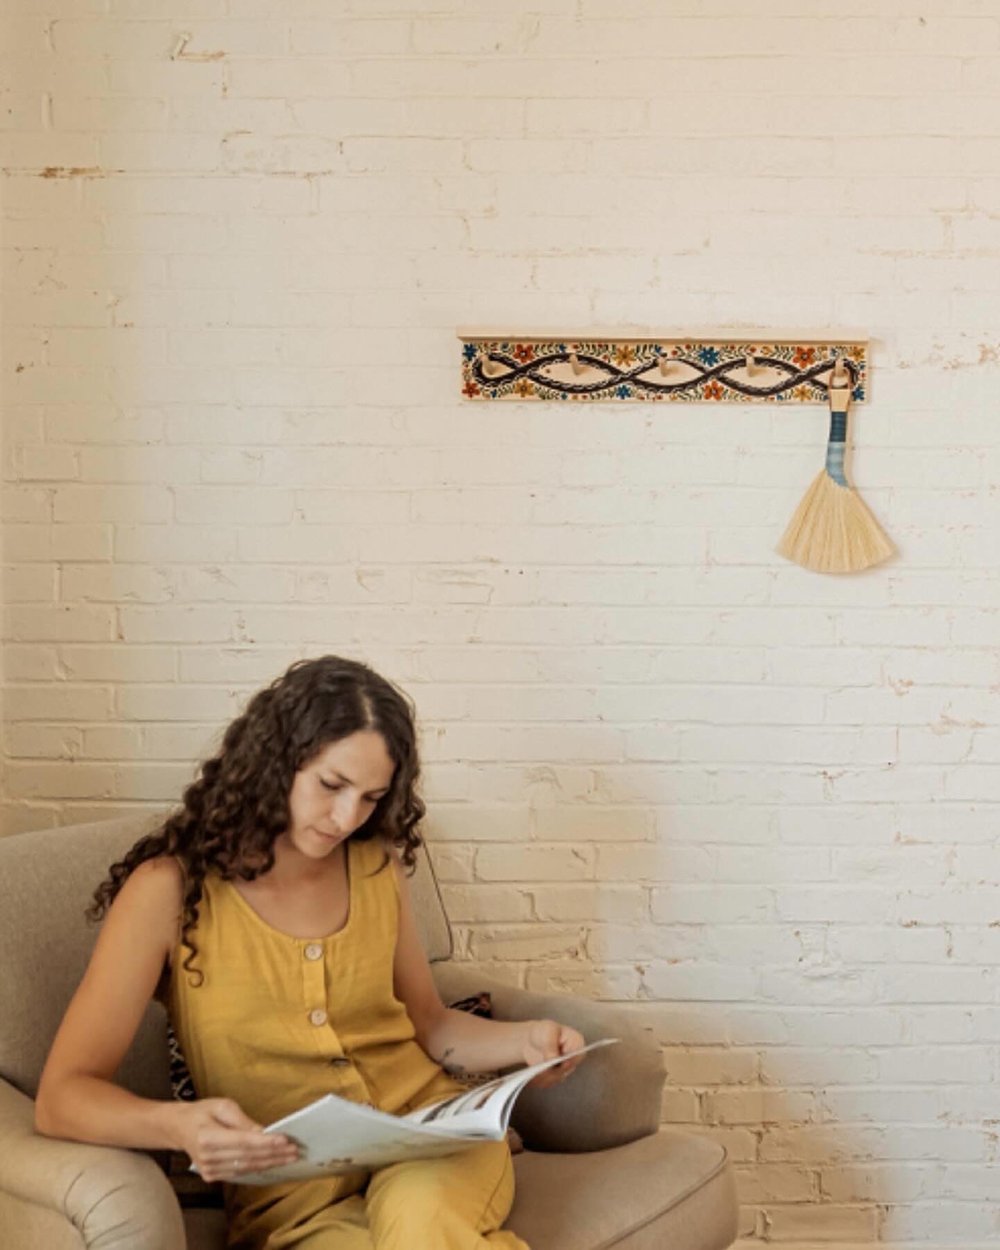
pixel 598 1173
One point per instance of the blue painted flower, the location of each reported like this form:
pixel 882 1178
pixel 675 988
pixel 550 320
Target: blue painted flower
pixel 469 351
pixel 624 392
pixel 708 356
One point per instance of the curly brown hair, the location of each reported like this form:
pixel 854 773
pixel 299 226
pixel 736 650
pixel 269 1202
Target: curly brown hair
pixel 232 812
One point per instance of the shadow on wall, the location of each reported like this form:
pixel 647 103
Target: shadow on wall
pixel 771 1044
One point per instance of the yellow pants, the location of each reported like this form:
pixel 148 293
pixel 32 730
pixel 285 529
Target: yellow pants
pixel 456 1202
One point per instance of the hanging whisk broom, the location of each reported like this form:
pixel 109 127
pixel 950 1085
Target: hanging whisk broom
pixel 832 530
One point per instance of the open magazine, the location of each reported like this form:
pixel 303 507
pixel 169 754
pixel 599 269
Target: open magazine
pixel 336 1135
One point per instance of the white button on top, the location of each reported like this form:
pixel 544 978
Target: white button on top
pixel 314 951
pixel 317 1017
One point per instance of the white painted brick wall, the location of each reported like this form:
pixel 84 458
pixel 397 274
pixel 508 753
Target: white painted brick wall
pixel 663 766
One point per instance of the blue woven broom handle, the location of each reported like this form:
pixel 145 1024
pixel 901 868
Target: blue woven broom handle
pixel 837 443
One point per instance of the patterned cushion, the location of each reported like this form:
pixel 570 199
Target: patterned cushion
pixel 476 1005
pixel 181 1085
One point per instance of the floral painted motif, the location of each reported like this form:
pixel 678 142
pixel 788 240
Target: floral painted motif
pixel 643 370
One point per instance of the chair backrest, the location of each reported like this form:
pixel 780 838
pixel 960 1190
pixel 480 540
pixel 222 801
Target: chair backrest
pixel 47 879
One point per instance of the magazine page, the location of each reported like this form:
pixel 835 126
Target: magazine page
pixel 488 1107
pixel 338 1136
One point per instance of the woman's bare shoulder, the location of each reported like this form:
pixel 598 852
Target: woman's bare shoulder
pixel 160 870
pixel 156 884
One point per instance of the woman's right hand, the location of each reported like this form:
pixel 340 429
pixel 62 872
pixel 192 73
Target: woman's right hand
pixel 224 1143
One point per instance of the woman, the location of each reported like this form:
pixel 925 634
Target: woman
pixel 270 914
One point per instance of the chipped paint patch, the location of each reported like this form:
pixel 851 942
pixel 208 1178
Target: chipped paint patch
pixel 72 171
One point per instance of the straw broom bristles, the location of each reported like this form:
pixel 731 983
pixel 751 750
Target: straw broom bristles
pixel 832 530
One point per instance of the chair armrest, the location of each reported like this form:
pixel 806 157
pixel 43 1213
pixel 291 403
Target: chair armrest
pixel 614 1096
pixel 116 1199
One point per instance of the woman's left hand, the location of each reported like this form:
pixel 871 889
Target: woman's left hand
pixel 545 1039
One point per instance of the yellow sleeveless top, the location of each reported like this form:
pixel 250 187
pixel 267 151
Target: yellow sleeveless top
pixel 279 1021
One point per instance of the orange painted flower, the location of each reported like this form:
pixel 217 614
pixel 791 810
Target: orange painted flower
pixel 804 356
pixel 470 390
pixel 524 352
pixel 713 390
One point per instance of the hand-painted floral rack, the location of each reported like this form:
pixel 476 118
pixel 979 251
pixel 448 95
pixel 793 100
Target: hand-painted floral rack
pixel 832 530
pixel 697 369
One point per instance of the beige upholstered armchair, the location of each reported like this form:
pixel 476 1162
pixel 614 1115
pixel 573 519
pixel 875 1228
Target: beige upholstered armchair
pixel 597 1173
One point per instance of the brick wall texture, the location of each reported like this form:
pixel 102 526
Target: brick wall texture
pixel 664 767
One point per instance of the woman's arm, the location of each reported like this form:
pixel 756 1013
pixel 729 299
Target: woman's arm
pixel 460 1042
pixel 77 1097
